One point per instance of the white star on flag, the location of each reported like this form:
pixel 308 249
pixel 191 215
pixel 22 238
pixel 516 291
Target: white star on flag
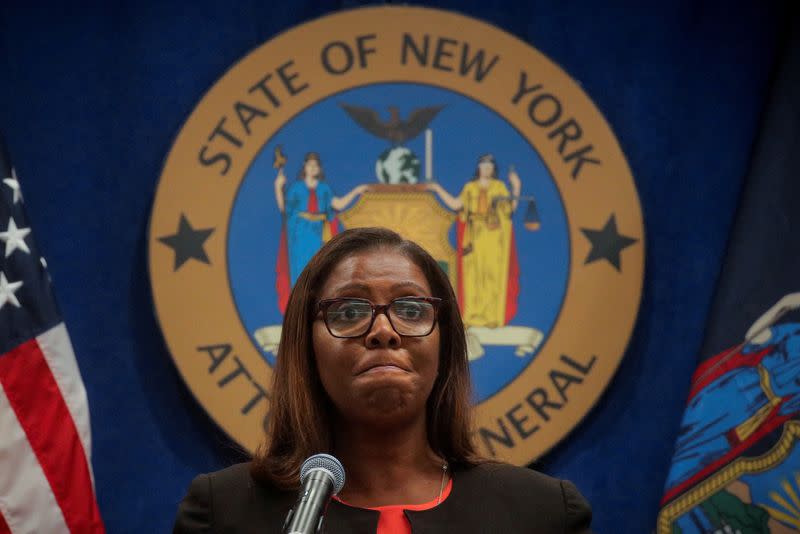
pixel 14 238
pixel 13 183
pixel 7 291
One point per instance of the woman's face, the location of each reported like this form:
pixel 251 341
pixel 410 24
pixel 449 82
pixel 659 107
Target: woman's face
pixel 380 378
pixel 311 168
pixel 485 169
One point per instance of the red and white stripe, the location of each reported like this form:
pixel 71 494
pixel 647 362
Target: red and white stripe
pixel 46 482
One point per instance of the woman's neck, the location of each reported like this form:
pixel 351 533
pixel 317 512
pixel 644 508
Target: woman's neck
pixel 311 182
pixel 388 467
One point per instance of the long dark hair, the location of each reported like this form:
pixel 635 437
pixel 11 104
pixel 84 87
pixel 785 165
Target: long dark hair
pixel 300 411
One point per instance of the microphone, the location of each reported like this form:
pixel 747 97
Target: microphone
pixel 321 477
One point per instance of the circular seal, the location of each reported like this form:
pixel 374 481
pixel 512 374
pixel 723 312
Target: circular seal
pixel 439 126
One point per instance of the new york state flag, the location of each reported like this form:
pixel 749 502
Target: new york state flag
pixel 736 465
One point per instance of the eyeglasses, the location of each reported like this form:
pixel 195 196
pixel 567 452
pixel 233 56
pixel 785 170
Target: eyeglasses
pixel 348 317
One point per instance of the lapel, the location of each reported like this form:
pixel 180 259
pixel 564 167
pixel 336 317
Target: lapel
pixel 343 519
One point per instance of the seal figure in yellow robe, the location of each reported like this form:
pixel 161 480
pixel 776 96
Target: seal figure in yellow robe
pixel 488 271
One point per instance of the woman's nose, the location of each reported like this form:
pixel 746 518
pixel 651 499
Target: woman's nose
pixel 382 334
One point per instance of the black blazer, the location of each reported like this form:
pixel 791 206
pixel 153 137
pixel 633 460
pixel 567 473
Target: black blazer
pixel 487 499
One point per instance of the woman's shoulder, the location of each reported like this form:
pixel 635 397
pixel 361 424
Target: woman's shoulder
pixel 531 491
pixel 498 186
pixel 227 497
pixel 232 482
pixel 469 186
pixel 230 478
pixel 541 496
pixel 296 186
pixel 235 479
pixel 511 476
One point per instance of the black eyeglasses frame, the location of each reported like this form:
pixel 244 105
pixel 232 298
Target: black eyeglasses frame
pixel 324 304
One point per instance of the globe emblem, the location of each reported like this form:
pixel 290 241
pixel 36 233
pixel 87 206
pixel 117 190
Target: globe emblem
pixel 398 165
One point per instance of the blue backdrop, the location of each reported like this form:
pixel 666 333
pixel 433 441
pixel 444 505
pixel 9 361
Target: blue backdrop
pixel 91 97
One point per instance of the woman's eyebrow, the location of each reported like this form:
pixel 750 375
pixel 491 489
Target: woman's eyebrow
pixel 365 288
pixel 350 286
pixel 409 283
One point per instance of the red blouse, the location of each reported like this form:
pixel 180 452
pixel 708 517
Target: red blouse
pixel 392 519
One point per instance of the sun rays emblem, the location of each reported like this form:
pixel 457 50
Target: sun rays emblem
pixel 788 500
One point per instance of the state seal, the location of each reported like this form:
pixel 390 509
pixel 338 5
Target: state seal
pixel 445 129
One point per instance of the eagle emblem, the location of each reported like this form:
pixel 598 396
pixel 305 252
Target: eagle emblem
pixel 396 130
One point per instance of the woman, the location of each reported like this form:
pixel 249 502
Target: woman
pixel 310 208
pixel 487 261
pixel 372 368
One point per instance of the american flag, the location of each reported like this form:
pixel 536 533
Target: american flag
pixel 46 480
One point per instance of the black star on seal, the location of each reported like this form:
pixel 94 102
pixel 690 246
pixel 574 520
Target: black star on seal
pixel 187 243
pixel 607 243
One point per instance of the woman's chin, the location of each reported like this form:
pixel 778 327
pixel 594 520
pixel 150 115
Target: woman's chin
pixel 388 404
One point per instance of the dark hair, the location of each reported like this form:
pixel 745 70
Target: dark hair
pixel 301 174
pixel 486 158
pixel 300 411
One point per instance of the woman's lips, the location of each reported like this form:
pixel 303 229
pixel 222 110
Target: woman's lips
pixel 383 369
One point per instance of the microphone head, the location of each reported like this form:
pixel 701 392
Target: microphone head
pixel 327 463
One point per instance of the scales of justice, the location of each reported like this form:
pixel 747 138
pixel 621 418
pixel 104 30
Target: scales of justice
pixel 420 209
